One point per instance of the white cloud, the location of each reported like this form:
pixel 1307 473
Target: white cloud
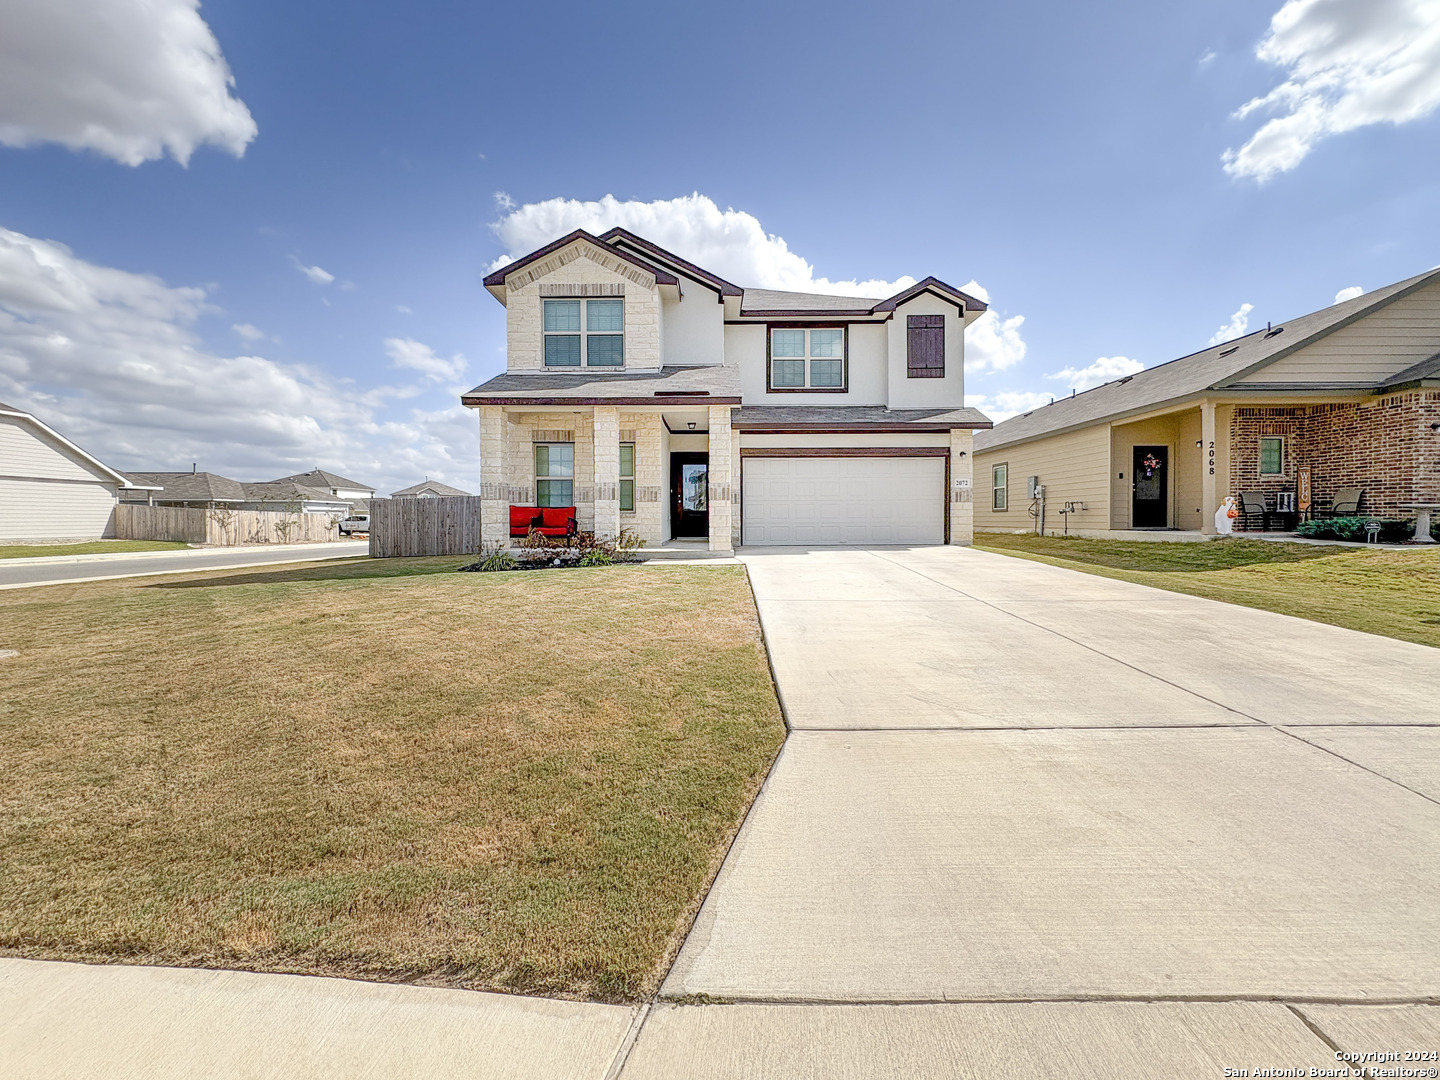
pixel 1103 370
pixel 504 202
pixel 409 353
pixel 130 79
pixel 733 244
pixel 1349 294
pixel 1007 403
pixel 248 332
pixel 1349 64
pixel 1206 59
pixel 112 359
pixel 403 310
pixel 1237 326
pixel 730 243
pixel 316 274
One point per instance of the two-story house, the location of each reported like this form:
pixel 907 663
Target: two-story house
pixel 653 395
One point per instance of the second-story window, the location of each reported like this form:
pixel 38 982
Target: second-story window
pixel 807 358
pixel 590 329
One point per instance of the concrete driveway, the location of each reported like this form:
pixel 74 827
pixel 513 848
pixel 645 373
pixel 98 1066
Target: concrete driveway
pixel 1029 823
pixel 1008 782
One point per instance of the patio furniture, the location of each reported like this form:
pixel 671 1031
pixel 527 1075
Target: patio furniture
pixel 553 521
pixel 1252 503
pixel 1345 504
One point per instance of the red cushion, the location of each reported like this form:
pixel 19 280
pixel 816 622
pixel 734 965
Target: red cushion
pixel 557 517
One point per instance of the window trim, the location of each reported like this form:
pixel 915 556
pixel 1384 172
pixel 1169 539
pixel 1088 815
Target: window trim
pixel 535 468
pixel 630 479
pixel 1260 455
pixel 843 388
pixel 584 333
pixel 1003 490
pixel 911 371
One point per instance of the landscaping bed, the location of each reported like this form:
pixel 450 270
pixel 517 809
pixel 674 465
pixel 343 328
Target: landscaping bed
pixel 380 769
pixel 1380 590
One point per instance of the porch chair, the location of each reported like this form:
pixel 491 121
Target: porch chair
pixel 1346 502
pixel 1251 504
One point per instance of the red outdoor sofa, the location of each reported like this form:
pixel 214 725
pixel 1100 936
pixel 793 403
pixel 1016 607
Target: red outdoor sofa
pixel 546 520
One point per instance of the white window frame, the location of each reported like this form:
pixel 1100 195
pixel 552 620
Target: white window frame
pixel 1000 491
pixel 548 477
pixel 1260 455
pixel 584 333
pixel 627 478
pixel 809 358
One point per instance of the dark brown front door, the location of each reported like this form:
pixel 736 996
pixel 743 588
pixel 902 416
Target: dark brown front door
pixel 690 494
pixel 1150 487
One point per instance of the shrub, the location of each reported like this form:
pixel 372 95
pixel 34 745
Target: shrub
pixel 596 557
pixel 1392 531
pixel 493 559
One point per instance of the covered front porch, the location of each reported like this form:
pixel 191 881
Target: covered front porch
pixel 664 473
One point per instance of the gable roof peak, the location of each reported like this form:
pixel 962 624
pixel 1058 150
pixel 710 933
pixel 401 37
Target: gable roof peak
pixel 496 279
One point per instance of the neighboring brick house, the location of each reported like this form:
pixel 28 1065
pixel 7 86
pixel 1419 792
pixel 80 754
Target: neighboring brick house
pixel 653 395
pixel 1352 393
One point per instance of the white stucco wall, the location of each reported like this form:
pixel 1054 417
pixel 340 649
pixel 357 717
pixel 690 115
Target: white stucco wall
pixel 693 327
pixel 908 393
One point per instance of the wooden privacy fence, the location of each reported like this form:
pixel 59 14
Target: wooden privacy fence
pixel 449 525
pixel 222 527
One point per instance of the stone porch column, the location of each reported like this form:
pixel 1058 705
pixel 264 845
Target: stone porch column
pixel 962 491
pixel 722 478
pixel 1209 482
pixel 607 472
pixel 494 494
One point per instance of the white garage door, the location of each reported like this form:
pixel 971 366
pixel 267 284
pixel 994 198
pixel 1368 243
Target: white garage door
pixel 844 500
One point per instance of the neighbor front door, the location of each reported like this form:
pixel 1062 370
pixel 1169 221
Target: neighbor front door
pixel 1150 504
pixel 690 494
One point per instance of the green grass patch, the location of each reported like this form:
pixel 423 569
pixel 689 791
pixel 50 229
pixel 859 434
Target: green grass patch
pixel 381 769
pixel 1390 591
pixel 91 547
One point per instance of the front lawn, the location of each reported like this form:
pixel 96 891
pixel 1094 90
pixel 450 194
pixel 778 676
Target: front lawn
pixel 381 769
pixel 89 547
pixel 1380 590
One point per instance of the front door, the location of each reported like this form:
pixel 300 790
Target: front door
pixel 690 494
pixel 1150 504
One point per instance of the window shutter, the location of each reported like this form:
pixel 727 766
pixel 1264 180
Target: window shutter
pixel 926 346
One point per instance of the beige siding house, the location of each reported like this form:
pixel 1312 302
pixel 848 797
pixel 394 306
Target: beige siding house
pixel 645 393
pixel 50 489
pixel 1348 397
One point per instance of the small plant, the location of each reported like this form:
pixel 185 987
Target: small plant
pixel 596 556
pixel 1392 531
pixel 494 558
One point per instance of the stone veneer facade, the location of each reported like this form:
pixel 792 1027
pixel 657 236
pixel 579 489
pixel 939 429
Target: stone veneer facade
pixel 581 276
pixel 1384 445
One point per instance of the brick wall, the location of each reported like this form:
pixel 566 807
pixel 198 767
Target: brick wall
pixel 1383 445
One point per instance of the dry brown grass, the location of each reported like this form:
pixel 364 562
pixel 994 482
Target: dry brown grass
pixel 387 770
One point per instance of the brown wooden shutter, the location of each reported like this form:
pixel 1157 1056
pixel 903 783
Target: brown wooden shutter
pixel 926 346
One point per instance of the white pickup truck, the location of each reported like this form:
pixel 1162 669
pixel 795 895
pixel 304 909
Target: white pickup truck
pixel 350 526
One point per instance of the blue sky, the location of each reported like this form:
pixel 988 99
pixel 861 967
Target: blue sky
pixel 305 289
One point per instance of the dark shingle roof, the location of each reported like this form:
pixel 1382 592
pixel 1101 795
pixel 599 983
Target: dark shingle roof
pixel 715 385
pixel 1211 369
pixel 760 417
pixel 427 485
pixel 287 489
pixel 778 300
pixel 190 486
pixel 319 478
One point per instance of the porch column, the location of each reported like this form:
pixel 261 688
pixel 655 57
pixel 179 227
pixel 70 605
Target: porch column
pixel 494 495
pixel 721 476
pixel 961 496
pixel 607 472
pixel 1209 482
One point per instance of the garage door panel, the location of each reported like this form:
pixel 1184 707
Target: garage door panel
pixel 844 500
